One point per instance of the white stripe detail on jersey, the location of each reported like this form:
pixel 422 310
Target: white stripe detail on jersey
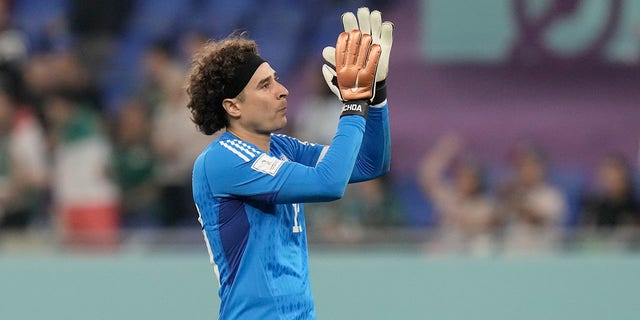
pixel 251 148
pixel 206 241
pixel 322 154
pixel 234 150
pixel 242 147
pixel 213 263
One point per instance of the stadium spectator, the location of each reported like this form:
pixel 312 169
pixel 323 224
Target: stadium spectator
pixel 135 164
pixel 69 74
pixel 23 167
pixel 613 202
pixel 85 198
pixel 467 214
pixel 532 208
pixel 47 72
pixel 39 79
pixel 175 141
pixel 163 74
pixel 371 204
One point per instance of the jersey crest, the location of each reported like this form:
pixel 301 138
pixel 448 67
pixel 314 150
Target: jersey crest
pixel 267 164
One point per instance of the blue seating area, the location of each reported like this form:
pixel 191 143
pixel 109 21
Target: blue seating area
pixel 287 31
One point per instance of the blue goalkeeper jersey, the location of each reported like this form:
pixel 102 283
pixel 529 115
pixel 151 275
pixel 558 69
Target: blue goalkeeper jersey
pixel 250 206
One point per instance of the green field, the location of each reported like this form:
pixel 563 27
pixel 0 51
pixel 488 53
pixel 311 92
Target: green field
pixel 376 284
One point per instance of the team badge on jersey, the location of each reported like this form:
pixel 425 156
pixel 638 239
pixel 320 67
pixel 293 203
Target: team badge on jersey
pixel 267 164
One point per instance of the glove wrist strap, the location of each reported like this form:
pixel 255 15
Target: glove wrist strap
pixel 381 93
pixel 355 107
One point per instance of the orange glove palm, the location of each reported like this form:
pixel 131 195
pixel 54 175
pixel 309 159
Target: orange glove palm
pixel 356 64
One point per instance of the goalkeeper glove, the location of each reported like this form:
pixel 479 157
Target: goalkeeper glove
pixel 356 64
pixel 381 33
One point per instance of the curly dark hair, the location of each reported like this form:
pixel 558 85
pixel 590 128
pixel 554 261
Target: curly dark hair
pixel 213 68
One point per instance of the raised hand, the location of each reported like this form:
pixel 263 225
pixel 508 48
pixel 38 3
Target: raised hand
pixel 356 64
pixel 381 33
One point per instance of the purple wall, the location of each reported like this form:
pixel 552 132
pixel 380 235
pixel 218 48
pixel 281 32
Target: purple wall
pixel 576 113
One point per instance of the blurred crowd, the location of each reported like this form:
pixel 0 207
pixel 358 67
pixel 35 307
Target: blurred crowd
pixel 69 164
pixel 524 210
pixel 473 206
pixel 95 137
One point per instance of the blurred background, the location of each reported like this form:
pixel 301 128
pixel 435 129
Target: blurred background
pixel 515 155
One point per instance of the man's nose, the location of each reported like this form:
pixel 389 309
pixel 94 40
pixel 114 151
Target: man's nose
pixel 283 91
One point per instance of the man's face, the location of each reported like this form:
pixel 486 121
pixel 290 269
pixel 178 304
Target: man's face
pixel 263 102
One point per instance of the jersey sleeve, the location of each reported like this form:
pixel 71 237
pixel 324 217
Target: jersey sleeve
pixel 302 152
pixel 236 170
pixel 374 158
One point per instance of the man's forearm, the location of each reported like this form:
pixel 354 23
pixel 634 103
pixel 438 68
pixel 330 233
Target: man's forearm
pixel 374 158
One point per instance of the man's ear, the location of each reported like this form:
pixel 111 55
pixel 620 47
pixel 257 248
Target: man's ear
pixel 231 106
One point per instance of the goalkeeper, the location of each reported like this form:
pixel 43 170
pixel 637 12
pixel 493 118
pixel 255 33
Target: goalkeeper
pixel 249 184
